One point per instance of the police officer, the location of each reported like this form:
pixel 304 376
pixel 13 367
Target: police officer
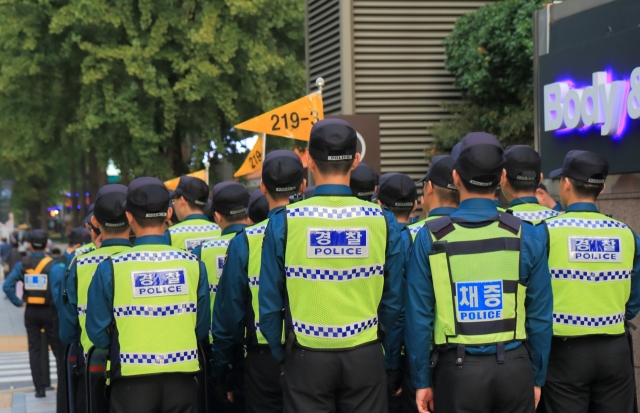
pixel 440 197
pixel 479 282
pixel 519 186
pixel 40 313
pixel 343 268
pixel 189 200
pixel 595 264
pixel 363 182
pixel 229 205
pixel 258 206
pixel 236 318
pixel 110 218
pixel 150 305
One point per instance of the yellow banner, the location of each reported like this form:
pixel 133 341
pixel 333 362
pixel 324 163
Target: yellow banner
pixel 254 160
pixel 293 120
pixel 173 183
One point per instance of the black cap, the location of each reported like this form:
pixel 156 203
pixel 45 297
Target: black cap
pixel 522 163
pixel 192 189
pixel 333 140
pixel 440 172
pixel 147 198
pixel 363 181
pixel 282 171
pixel 308 192
pixel 38 238
pixel 481 159
pixel 258 206
pixel 91 208
pixel 109 208
pixel 583 166
pixel 79 235
pixel 230 198
pixel 397 190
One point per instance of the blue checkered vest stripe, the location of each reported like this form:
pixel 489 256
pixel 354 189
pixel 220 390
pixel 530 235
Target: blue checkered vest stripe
pixel 159 358
pixel 190 234
pixel 344 331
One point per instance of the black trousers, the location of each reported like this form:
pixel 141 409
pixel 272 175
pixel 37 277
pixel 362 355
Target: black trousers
pixel 262 388
pixel 352 381
pixel 481 385
pixel 158 393
pixel 37 318
pixel 589 374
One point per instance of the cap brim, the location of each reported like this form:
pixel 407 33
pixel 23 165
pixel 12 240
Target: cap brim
pixel 555 173
pixel 424 178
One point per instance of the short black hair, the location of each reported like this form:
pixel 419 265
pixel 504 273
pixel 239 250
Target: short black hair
pixel 519 185
pixel 235 217
pixel 334 167
pixel 281 196
pixel 480 190
pixel 195 206
pixel 150 222
pixel 585 190
pixel 402 212
pixel 447 196
pixel 114 230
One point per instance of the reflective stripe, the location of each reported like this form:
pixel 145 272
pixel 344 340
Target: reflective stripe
pixel 585 223
pixel 158 358
pixel 580 275
pixel 213 288
pixel 194 228
pixel 82 251
pixel 256 230
pixel 338 275
pixel 154 256
pixel 216 243
pixel 254 281
pixel 257 326
pixel 94 259
pixel 82 310
pixel 536 215
pixel 587 321
pixel 345 331
pixel 154 311
pixel 334 213
pixel 415 230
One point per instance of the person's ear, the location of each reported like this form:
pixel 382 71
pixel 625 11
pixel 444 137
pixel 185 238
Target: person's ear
pixel 303 186
pixel 456 179
pixel 170 213
pixel 429 188
pixel 263 188
pixel 94 221
pixel 129 217
pixel 604 186
pixel 217 217
pixel 541 178
pixel 356 161
pixel 310 163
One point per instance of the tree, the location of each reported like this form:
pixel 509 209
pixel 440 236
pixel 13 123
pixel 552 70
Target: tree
pixel 490 52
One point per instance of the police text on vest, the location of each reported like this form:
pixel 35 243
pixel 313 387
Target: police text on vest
pixel 479 301
pixel 338 243
pixel 160 282
pixel 595 249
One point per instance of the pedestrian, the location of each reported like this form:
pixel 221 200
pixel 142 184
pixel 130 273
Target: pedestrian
pixel 594 262
pixel 236 319
pixel 440 197
pixel 478 281
pixel 341 258
pixel 150 306
pixel 40 314
pixel 189 200
pixel 110 218
pixel 363 182
pixel 523 175
pixel 229 202
pixel 258 206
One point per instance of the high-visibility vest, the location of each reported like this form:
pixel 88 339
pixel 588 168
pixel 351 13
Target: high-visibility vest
pixel 255 236
pixel 154 307
pixel 190 234
pixel 86 266
pixel 533 213
pixel 37 285
pixel 590 260
pixel 214 254
pixel 83 249
pixel 476 281
pixel 414 228
pixel 334 263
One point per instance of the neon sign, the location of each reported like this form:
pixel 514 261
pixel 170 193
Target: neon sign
pixel 605 104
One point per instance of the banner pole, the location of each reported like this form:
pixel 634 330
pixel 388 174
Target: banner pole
pixel 264 146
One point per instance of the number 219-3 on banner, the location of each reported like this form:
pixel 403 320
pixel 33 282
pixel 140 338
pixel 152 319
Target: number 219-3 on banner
pixel 293 120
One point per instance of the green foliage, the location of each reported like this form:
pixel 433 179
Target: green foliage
pixel 490 52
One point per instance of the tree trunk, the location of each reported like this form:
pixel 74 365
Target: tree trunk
pixel 42 197
pixel 74 190
pixel 83 185
pixel 94 174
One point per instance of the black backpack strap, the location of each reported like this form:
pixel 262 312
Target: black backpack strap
pixel 440 227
